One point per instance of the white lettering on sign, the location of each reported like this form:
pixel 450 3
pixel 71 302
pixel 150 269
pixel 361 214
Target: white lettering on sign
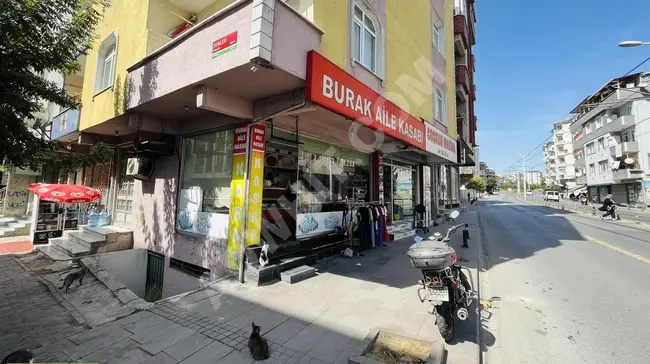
pixel 240 169
pixel 346 96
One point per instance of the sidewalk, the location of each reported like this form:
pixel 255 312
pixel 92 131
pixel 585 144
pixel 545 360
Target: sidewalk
pixel 320 320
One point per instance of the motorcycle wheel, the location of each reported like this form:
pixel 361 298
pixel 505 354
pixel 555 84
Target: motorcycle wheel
pixel 446 325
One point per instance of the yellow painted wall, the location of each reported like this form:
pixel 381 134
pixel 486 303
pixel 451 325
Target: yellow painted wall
pixel 408 78
pixel 451 68
pixel 128 19
pixel 332 17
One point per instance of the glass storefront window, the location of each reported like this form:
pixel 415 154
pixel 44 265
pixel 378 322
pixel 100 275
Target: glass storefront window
pixel 329 173
pixel 204 196
pixel 400 190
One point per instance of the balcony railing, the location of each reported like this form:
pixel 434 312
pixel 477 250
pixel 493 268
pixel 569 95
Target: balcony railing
pixel 463 78
pixel 461 33
pixel 623 148
pixel 627 173
pixel 64 124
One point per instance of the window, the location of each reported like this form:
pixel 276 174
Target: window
pixel 365 39
pixel 438 33
pixel 204 196
pixel 601 143
pixel 106 57
pixel 588 128
pixel 599 122
pixel 592 169
pixel 304 7
pixel 590 148
pixel 603 167
pixel 632 135
pixel 440 106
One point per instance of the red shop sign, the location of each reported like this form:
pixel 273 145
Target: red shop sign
pixel 240 142
pixel 334 89
pixel 259 139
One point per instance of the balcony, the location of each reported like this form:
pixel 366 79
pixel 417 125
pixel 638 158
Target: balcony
pixel 626 174
pixel 623 148
pixel 65 126
pixel 462 79
pixel 247 51
pixel 461 43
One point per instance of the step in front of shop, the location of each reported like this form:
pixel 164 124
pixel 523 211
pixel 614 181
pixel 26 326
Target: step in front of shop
pixel 400 230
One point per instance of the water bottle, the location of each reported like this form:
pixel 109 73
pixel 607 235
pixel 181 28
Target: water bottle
pixel 104 218
pixel 93 218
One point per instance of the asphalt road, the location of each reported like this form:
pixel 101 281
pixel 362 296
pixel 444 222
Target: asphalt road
pixel 572 288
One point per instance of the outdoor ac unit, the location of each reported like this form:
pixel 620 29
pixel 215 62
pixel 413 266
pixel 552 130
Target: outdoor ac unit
pixel 139 168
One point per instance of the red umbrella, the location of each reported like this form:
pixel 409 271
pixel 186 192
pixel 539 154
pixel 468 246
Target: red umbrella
pixel 64 193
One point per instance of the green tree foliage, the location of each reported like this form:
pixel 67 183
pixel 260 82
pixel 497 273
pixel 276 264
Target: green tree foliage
pixel 508 185
pixel 492 183
pixel 477 184
pixel 39 36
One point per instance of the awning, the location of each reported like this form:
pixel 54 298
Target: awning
pixel 578 189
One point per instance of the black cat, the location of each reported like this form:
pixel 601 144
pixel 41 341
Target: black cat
pixel 21 356
pixel 258 346
pixel 70 278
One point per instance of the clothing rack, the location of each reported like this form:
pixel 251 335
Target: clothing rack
pixel 349 222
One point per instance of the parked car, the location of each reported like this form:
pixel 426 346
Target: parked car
pixel 529 192
pixel 551 196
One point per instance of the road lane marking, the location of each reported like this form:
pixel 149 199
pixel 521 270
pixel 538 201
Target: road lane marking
pixel 620 250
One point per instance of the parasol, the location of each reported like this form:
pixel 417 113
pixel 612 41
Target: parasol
pixel 64 193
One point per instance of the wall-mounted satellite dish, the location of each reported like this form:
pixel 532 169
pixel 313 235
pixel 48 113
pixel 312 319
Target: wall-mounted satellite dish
pixel 628 161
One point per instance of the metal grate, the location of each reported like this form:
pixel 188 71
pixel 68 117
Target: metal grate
pixel 188 268
pixel 124 200
pixel 155 274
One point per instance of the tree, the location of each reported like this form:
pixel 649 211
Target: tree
pixel 508 185
pixel 477 184
pixel 40 36
pixel 492 183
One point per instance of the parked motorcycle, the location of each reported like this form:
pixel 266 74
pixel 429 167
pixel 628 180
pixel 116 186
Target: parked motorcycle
pixel 444 284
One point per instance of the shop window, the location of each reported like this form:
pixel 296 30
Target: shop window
pixel 204 196
pixel 106 58
pixel 366 37
pixel 400 189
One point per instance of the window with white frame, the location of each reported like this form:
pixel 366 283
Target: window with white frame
pixel 365 37
pixel 599 122
pixel 592 169
pixel 603 167
pixel 590 148
pixel 438 33
pixel 440 106
pixel 106 58
pixel 601 143
pixel 588 128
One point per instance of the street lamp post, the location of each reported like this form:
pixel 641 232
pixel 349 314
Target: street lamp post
pixel 523 167
pixel 632 43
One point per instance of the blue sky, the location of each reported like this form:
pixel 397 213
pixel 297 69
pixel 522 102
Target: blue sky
pixel 536 60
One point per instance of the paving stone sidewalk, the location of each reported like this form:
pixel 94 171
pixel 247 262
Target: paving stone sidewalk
pixel 320 320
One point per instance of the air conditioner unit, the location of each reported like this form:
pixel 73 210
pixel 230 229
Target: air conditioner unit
pixel 139 168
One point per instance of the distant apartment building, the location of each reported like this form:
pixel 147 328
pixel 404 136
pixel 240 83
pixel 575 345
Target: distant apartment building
pixel 615 141
pixel 558 156
pixel 533 177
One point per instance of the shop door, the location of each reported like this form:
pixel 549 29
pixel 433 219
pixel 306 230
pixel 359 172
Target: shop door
pixel 155 274
pixel 99 178
pixel 124 200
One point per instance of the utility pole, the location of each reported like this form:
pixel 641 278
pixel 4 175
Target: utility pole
pixel 523 164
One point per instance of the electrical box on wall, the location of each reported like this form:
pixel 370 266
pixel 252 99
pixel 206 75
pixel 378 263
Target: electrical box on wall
pixel 139 167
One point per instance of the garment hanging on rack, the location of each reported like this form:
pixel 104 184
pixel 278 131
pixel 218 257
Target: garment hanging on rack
pixel 379 233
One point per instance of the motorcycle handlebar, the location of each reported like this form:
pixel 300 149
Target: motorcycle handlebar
pixel 452 230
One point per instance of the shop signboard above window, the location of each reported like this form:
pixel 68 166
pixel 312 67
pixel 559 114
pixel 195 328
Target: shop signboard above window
pixel 441 144
pixel 334 89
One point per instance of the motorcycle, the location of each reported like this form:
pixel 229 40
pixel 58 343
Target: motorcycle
pixel 444 284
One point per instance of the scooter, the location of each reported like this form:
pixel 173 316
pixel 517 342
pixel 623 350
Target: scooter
pixel 444 284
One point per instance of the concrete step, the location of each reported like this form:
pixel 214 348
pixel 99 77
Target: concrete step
pixel 7 231
pixel 84 239
pixel 69 247
pixel 297 274
pixel 4 221
pixel 53 253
